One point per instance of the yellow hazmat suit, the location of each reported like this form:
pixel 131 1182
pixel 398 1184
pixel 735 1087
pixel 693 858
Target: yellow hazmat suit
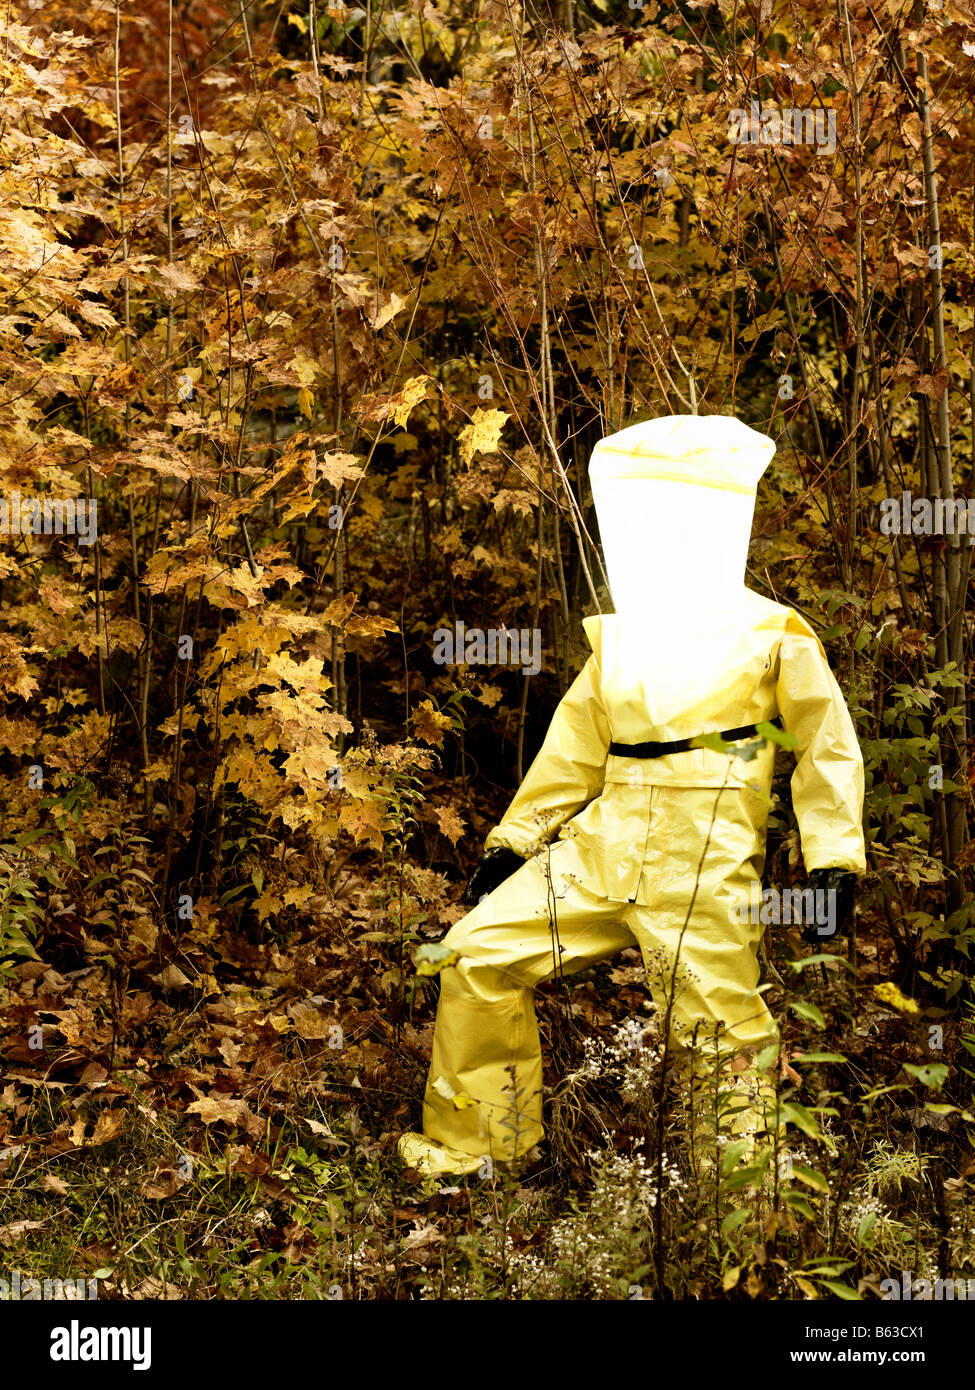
pixel 666 852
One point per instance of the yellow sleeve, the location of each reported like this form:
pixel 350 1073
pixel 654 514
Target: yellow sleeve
pixel 827 785
pixel 567 773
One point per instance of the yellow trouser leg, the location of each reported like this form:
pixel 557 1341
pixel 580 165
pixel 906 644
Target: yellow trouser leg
pixel 712 994
pixel 486 1045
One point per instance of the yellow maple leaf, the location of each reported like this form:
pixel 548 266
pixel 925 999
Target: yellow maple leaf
pixel 339 610
pixel 267 905
pixel 281 1023
pixel 214 1108
pixel 458 1099
pixel 387 311
pixel 337 467
pixel 412 393
pixel 107 1126
pixel 450 823
pixel 888 993
pixel 297 897
pixel 488 695
pixel 428 723
pixel 483 434
pixel 310 1024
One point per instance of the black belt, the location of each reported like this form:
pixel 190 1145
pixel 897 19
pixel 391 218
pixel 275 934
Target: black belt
pixel 683 745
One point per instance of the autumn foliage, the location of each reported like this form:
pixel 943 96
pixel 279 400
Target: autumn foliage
pixel 324 311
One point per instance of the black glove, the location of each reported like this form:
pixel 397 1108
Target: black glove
pixel 833 891
pixel 492 868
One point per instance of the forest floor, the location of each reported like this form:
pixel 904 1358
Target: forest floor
pixel 226 1128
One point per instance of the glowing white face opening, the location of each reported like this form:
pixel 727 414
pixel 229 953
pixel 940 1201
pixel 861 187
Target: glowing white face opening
pixel 675 499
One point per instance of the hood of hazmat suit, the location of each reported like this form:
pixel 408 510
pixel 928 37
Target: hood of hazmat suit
pixel 626 841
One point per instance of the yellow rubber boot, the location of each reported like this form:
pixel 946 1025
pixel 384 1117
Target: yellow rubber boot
pixel 432 1159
